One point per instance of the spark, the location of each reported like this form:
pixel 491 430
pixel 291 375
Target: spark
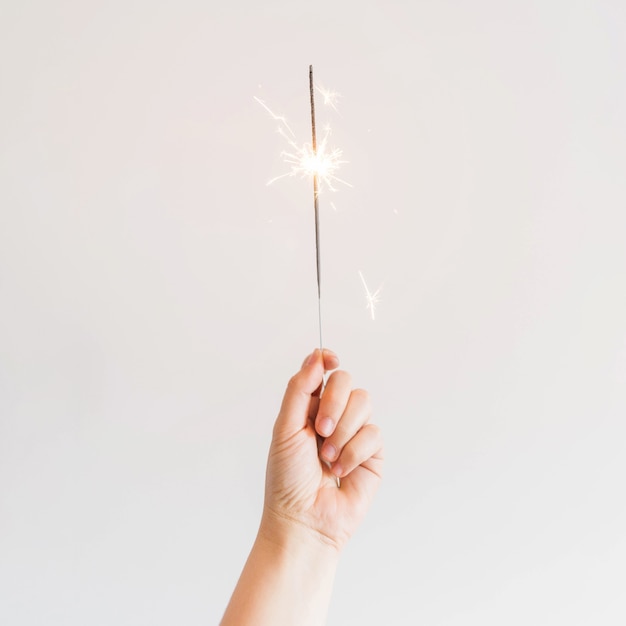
pixel 372 298
pixel 279 118
pixel 304 160
pixel 330 97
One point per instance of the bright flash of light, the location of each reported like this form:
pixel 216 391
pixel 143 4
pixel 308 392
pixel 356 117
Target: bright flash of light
pixel 303 160
pixel 372 298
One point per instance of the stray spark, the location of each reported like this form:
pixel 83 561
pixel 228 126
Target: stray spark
pixel 279 118
pixel 372 298
pixel 330 97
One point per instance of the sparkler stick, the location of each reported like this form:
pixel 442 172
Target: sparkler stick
pixel 316 193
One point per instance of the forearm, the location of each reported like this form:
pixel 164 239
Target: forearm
pixel 286 580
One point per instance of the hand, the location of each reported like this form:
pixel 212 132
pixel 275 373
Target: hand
pixel 301 491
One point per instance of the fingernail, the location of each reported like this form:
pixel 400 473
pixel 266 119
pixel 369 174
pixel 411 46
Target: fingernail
pixel 337 470
pixel 326 426
pixel 329 452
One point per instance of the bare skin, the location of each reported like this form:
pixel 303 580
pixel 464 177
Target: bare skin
pixel 307 519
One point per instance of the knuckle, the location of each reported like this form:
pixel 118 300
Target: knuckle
pixel 349 457
pixel 375 431
pixel 344 432
pixel 341 376
pixel 362 396
pixel 294 382
pixel 376 434
pixel 339 437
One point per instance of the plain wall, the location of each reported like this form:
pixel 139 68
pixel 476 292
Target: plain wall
pixel 156 294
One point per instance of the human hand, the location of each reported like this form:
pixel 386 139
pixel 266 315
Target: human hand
pixel 301 492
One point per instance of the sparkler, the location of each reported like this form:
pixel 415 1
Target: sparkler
pixel 317 160
pixel 316 193
pixel 320 162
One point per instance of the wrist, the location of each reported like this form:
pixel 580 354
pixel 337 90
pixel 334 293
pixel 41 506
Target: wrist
pixel 294 539
pixel 287 579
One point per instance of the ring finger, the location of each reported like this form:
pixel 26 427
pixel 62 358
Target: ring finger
pixel 356 414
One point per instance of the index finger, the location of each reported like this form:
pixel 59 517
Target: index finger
pixel 303 391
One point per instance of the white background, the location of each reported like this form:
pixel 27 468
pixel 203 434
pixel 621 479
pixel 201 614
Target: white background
pixel 155 296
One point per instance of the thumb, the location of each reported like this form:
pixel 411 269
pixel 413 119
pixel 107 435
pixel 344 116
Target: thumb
pixel 294 411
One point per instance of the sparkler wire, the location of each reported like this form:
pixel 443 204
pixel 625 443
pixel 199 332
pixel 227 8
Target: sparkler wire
pixel 316 205
pixel 317 227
